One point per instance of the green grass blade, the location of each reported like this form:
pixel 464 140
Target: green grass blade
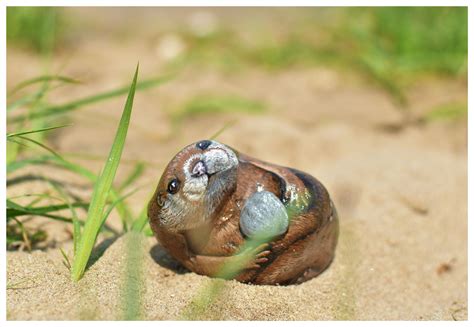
pixel 76 231
pixel 141 221
pixel 29 99
pixel 132 286
pixel 96 157
pixel 13 213
pixel 61 109
pixel 102 189
pixel 147 230
pixel 122 208
pixel 24 234
pixel 15 210
pixel 134 175
pixel 15 141
pixel 24 101
pixel 115 204
pixel 45 78
pixel 45 209
pixel 36 130
pixel 41 145
pixel 222 129
pixel 39 196
pixel 13 148
pixel 14 286
pixel 48 159
pixel 34 202
pixel 76 224
pixel 66 261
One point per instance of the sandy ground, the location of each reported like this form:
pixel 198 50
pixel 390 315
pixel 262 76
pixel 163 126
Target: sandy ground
pixel 402 196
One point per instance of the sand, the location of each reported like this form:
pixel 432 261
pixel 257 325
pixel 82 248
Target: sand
pixel 401 196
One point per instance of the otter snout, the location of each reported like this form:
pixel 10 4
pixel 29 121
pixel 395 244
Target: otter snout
pixel 217 160
pixel 199 169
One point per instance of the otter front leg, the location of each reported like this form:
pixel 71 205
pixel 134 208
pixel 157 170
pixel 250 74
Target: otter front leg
pixel 176 245
pixel 228 267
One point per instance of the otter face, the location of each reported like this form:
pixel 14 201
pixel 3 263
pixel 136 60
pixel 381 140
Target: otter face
pixel 193 185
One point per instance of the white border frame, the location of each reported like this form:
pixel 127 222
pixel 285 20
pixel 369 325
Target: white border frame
pixel 214 3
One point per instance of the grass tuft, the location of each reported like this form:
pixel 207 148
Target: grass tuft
pixel 36 28
pixel 54 110
pixel 102 189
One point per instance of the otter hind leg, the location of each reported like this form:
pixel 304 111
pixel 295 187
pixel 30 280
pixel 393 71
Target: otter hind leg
pixel 309 273
pixel 305 258
pixel 324 250
pixel 331 231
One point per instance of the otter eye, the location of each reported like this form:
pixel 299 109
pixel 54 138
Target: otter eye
pixel 173 186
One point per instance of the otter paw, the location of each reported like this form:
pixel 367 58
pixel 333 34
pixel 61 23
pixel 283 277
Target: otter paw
pixel 253 257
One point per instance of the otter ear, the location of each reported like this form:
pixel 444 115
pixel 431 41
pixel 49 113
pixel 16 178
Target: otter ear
pixel 161 198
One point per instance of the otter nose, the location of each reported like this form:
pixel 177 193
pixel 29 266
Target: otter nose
pixel 204 144
pixel 199 169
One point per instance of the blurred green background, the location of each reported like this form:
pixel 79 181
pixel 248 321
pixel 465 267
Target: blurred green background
pixel 392 46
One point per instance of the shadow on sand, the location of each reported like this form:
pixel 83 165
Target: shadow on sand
pixel 161 257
